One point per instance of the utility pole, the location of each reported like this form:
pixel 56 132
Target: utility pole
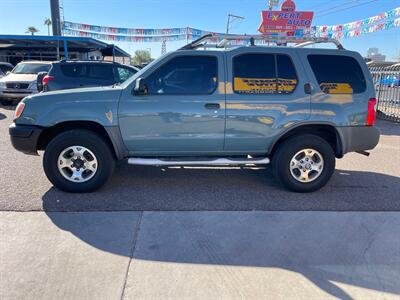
pixel 55 17
pixel 231 18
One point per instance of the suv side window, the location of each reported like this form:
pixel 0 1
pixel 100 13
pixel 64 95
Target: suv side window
pixel 338 74
pixel 101 71
pixel 124 74
pixel 184 75
pixel 260 73
pixel 73 70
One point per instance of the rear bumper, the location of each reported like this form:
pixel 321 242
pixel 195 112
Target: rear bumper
pixel 358 138
pixel 24 138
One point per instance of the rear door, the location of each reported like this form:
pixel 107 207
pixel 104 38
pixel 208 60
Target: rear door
pixel 265 96
pixel 99 74
pixel 342 86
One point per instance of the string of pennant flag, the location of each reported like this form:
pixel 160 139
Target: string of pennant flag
pixel 360 23
pixel 383 21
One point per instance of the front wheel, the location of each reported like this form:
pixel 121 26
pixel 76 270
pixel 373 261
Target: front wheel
pixel 78 161
pixel 303 163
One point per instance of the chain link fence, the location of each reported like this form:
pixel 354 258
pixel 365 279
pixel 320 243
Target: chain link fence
pixel 387 87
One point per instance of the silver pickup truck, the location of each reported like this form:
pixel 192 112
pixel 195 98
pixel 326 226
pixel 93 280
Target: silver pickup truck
pixel 297 108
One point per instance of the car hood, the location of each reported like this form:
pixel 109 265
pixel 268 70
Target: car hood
pixel 49 108
pixel 19 77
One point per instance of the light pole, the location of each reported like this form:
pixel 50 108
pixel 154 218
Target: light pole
pixel 272 3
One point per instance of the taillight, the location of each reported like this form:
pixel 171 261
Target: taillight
pixel 18 111
pixel 46 79
pixel 371 113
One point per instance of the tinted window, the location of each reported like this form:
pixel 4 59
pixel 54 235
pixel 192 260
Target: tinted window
pixel 259 73
pixel 337 74
pixel 124 73
pixel 184 75
pixel 100 71
pixel 287 78
pixel 254 74
pixel 73 70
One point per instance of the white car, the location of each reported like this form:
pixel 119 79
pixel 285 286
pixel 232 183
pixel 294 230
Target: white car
pixel 21 81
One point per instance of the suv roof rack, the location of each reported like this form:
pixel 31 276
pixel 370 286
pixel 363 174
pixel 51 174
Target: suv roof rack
pixel 224 39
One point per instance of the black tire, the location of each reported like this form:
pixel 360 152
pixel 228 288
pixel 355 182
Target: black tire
pixel 91 141
pixel 285 152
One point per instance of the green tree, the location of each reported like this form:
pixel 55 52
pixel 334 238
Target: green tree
pixel 32 30
pixel 141 57
pixel 48 23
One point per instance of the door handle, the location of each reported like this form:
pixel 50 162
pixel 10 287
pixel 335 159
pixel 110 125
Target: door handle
pixel 212 106
pixel 308 88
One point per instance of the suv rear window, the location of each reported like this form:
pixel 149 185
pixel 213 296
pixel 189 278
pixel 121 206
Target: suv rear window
pixel 91 70
pixel 73 70
pixel 338 74
pixel 260 73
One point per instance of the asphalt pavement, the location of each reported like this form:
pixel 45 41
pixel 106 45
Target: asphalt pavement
pixel 200 255
pixel 359 184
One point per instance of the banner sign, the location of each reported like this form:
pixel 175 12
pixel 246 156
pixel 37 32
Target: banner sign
pixel 287 20
pixel 389 24
pixel 282 21
pixel 133 31
pixel 357 24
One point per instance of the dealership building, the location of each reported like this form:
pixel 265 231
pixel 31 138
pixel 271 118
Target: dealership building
pixel 16 48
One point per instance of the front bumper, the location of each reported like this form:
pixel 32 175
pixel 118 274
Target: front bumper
pixel 358 138
pixel 4 94
pixel 25 138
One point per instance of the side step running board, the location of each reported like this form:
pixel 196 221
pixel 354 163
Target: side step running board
pixel 211 162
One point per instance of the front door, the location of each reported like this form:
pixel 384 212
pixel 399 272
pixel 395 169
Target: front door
pixel 183 110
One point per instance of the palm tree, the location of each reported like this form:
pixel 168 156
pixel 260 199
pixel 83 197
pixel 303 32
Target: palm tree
pixel 32 30
pixel 47 22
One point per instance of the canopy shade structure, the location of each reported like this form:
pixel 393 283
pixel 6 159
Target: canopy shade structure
pixel 63 44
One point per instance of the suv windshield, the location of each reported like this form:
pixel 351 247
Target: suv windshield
pixel 31 68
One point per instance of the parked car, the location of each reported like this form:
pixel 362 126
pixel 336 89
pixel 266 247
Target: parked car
pixel 392 80
pixel 21 81
pixel 298 108
pixel 78 74
pixel 5 68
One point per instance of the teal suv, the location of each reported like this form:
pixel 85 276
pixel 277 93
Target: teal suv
pixel 296 108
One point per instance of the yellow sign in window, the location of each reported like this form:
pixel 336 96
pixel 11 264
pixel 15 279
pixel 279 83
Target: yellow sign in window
pixel 264 85
pixel 336 88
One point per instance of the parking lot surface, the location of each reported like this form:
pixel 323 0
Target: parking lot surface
pixel 200 255
pixel 359 184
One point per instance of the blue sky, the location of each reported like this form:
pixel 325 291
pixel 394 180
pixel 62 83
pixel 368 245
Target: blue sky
pixel 202 14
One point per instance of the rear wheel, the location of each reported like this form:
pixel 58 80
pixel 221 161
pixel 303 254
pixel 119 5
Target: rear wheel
pixel 303 163
pixel 78 161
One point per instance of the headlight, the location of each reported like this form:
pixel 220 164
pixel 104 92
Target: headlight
pixel 19 110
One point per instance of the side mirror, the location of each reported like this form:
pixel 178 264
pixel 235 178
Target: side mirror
pixel 140 87
pixel 8 72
